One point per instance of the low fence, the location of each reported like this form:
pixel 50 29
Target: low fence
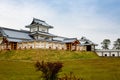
pixel 109 53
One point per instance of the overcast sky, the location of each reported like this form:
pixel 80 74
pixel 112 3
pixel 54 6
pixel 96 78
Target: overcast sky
pixel 94 19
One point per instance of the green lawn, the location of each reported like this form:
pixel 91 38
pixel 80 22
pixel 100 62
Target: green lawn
pixel 15 70
pixel 19 65
pixel 95 69
pixel 46 55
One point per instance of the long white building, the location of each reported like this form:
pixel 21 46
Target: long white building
pixel 38 36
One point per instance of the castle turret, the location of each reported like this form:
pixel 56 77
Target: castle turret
pixel 39 25
pixel 40 29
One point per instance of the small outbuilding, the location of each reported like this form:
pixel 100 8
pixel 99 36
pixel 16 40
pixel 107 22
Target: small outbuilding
pixel 87 44
pixel 71 44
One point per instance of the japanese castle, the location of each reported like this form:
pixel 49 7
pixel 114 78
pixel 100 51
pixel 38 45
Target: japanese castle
pixel 39 36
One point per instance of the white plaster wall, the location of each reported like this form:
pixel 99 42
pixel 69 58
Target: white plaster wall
pixel 47 45
pixel 19 45
pixel 41 44
pixel 31 45
pixel 60 46
pixel 44 29
pixel 82 48
pixel 9 46
pixel 25 45
pixel 37 44
pixel 99 53
pixel 73 47
pixel 1 41
pixel 108 53
pixel 1 47
pixel 64 46
pixel 41 37
pixel 33 29
pixel 115 53
pixel 55 45
pixel 93 48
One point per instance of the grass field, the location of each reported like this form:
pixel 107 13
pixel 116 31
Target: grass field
pixel 19 65
pixel 46 55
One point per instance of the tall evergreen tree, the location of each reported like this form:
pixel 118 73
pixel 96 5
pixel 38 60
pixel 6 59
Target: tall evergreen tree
pixel 105 43
pixel 117 44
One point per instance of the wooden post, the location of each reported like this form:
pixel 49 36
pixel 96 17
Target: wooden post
pixel 102 53
pixel 69 46
pixel 85 48
pixel 11 45
pixel 78 47
pixel 64 46
pixel 22 45
pixel 45 44
pixel 75 47
pixel 110 54
pixel 118 53
pixel 34 44
pixel 6 45
pixel 94 47
pixel 52 45
pixel 16 46
pixel 40 44
pixel 28 45
pixel 58 45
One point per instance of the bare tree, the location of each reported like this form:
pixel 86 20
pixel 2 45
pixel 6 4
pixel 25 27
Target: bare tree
pixel 105 44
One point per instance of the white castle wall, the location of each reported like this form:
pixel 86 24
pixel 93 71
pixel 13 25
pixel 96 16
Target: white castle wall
pixel 108 53
pixel 41 44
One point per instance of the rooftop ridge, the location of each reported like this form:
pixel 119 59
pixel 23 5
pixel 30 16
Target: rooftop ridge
pixel 38 19
pixel 15 29
pixel 69 38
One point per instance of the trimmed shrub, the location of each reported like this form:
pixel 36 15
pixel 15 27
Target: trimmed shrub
pixel 49 70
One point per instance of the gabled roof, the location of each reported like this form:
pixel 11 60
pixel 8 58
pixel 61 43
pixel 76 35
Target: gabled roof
pixel 69 40
pixel 85 41
pixel 39 22
pixel 59 38
pixel 14 40
pixel 43 33
pixel 15 35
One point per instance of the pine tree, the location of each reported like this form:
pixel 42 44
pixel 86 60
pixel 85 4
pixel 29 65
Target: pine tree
pixel 105 44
